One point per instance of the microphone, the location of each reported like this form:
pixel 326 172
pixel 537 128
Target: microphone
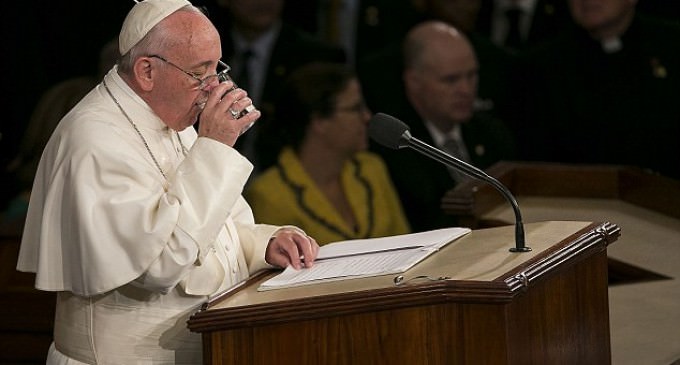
pixel 395 134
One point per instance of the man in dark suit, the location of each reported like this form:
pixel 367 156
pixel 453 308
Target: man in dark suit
pixel 380 71
pixel 263 50
pixel 606 91
pixel 359 26
pixel 535 21
pixel 440 77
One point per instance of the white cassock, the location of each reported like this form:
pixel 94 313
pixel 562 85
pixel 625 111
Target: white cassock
pixel 132 254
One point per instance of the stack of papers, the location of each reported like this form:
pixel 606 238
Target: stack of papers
pixel 366 257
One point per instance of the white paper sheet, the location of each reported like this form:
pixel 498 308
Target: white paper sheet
pixel 366 257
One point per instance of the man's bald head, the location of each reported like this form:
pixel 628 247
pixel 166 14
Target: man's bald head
pixel 428 39
pixel 440 73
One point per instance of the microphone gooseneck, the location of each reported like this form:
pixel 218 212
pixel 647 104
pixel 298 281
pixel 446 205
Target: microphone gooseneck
pixel 395 134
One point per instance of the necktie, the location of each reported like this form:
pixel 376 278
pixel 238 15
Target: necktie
pixel 456 149
pixel 513 38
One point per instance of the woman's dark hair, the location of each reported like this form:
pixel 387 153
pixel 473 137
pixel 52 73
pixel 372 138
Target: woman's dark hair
pixel 310 91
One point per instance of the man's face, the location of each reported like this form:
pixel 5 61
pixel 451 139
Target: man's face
pixel 444 87
pixel 597 15
pixel 178 98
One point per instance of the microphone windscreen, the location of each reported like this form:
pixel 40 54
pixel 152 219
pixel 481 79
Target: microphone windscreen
pixel 387 130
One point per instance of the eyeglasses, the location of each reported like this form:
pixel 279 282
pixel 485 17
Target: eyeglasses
pixel 220 76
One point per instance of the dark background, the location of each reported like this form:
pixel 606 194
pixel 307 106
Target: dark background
pixel 45 42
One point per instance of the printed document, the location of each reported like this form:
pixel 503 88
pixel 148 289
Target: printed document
pixel 366 257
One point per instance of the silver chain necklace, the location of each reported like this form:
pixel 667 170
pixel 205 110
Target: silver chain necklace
pixel 139 133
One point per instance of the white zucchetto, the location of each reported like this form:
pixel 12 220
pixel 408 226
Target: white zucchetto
pixel 142 17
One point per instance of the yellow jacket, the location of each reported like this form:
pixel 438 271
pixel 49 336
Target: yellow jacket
pixel 286 194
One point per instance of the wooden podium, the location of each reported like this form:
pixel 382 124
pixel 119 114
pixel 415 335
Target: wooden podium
pixel 473 302
pixel 471 202
pixel 629 196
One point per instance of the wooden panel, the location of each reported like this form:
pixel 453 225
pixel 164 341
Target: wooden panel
pixel 26 314
pixel 552 323
pixel 24 347
pixel 650 191
pixel 470 201
pixel 436 334
pixel 564 320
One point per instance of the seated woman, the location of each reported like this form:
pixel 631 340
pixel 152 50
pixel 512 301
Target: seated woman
pixel 325 180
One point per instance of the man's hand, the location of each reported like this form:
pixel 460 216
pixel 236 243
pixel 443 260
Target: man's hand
pixel 291 246
pixel 220 118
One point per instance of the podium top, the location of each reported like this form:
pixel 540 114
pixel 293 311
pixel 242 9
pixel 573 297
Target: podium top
pixel 477 267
